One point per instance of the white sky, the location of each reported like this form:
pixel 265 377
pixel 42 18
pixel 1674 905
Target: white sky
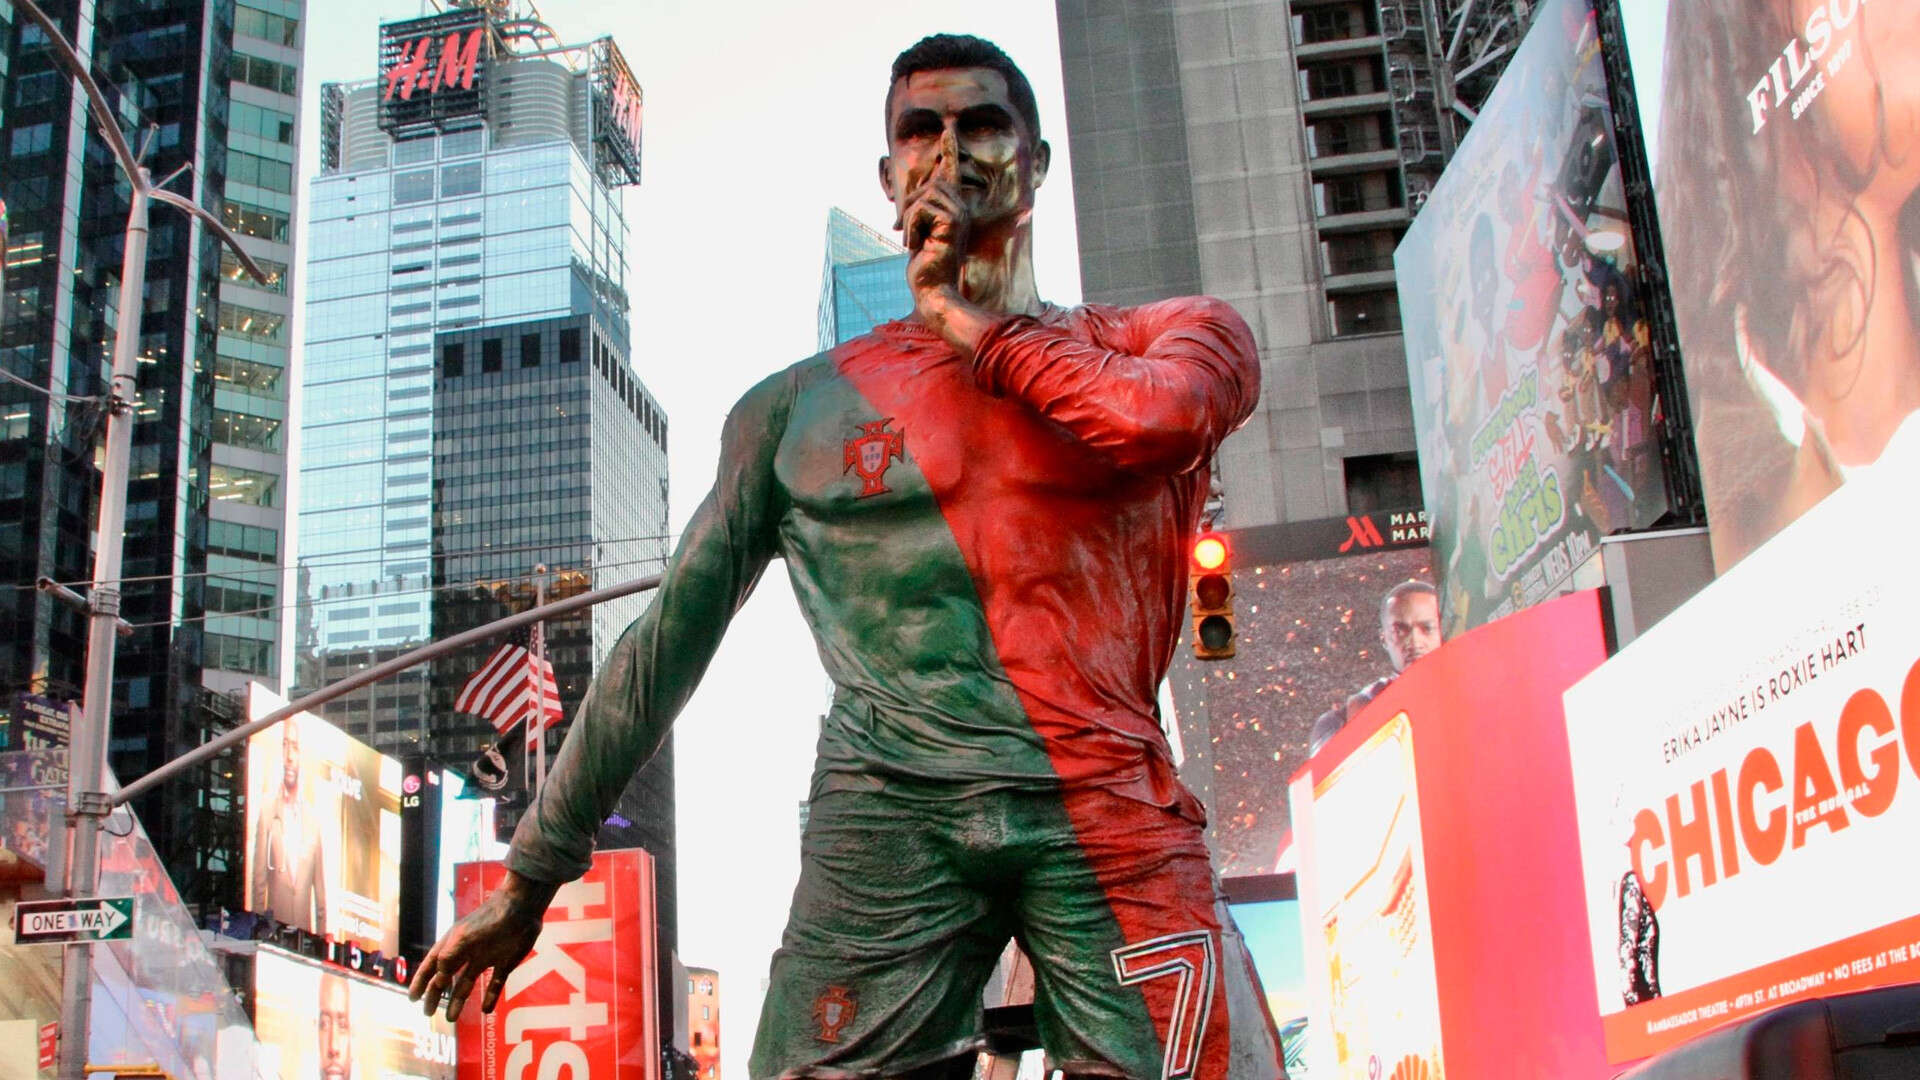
pixel 760 114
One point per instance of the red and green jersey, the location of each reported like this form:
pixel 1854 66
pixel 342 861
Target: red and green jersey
pixel 990 554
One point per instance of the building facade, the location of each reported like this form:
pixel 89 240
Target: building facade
pixel 212 88
pixel 1272 153
pixel 863 282
pixel 703 1021
pixel 473 429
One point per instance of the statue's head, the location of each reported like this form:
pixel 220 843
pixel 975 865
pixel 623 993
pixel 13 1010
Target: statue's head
pixel 960 107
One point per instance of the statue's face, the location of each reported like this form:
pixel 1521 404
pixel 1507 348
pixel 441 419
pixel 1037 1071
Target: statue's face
pixel 959 122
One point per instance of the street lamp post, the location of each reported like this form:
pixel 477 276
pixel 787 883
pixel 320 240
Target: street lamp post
pixel 88 804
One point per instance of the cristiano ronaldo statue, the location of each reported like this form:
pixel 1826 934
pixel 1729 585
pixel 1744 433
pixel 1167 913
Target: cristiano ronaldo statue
pixel 984 510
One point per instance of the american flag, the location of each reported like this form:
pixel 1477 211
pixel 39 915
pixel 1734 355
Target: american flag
pixel 516 683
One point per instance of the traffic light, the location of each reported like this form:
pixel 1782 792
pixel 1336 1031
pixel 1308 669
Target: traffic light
pixel 1210 594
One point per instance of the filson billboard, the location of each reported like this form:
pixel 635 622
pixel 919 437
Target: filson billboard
pixel 1784 141
pixel 1529 357
pixel 1747 778
pixel 433 72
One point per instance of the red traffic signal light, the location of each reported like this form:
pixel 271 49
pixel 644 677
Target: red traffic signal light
pixel 1210 596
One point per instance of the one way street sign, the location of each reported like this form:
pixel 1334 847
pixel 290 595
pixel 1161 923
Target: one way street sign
pixel 57 922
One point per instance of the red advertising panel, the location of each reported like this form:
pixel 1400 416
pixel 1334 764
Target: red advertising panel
pixel 1440 885
pixel 1529 351
pixel 49 1045
pixel 1785 152
pixel 1747 775
pixel 583 1001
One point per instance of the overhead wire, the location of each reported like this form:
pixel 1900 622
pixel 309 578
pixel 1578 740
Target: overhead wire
pixel 281 568
pixel 448 587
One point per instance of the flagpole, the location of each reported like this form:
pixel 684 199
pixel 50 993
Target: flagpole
pixel 539 717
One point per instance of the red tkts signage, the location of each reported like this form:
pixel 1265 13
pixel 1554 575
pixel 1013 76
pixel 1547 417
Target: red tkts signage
pixel 583 1001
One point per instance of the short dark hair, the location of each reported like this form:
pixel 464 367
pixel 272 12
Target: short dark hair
pixel 1406 588
pixel 944 52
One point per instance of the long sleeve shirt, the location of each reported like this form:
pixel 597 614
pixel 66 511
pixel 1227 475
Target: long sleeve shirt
pixel 991 556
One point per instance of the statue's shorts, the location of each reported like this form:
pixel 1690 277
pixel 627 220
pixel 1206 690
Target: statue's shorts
pixel 907 899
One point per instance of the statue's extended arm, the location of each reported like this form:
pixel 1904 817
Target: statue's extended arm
pixel 654 667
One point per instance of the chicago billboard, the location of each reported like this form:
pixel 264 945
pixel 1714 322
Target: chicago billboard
pixel 1529 356
pixel 323 830
pixel 1784 141
pixel 583 1001
pixel 1747 779
pixel 320 1023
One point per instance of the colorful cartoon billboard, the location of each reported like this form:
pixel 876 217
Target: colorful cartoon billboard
pixel 1784 140
pixel 1529 356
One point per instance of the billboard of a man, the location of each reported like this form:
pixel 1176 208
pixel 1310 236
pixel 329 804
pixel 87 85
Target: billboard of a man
pixel 289 869
pixel 1409 629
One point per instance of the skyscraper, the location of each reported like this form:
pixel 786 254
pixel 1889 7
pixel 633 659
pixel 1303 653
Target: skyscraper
pixel 471 414
pixel 213 87
pixel 864 281
pixel 1272 153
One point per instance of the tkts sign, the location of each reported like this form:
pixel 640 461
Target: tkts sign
pixel 433 72
pixel 582 1003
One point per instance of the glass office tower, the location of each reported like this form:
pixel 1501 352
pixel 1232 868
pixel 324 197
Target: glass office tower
pixel 864 281
pixel 457 208
pixel 212 87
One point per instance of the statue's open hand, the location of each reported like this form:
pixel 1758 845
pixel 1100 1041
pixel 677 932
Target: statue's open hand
pixel 496 936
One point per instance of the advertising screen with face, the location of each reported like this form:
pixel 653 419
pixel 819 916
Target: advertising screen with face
pixel 1784 138
pixel 1528 354
pixel 320 1023
pixel 1316 638
pixel 323 830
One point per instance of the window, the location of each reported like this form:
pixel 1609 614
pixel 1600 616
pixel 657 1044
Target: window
pixel 1382 482
pixel 265 74
pixel 32 139
pixel 1374 312
pixel 1345 135
pixel 459 143
pixel 229 483
pixel 460 179
pixel 241 595
pixel 1326 24
pixel 570 345
pixel 413 151
pixel 1339 80
pixel 249 220
pixel 242 541
pixel 490 355
pixel 246 118
pixel 245 430
pixel 233 270
pixel 230 653
pixel 413 187
pixel 264 25
pixel 245 168
pixel 252 323
pixel 1358 253
pixel 453 360
pixel 529 350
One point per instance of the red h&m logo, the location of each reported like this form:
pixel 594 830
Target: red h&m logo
pixel 1362 533
pixel 458 60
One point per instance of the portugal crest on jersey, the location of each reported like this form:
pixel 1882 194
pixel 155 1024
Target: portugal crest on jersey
pixel 834 1009
pixel 871 452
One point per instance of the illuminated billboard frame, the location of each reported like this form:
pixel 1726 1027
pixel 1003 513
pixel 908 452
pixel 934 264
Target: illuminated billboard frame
pixel 322 830
pixel 1539 406
pixel 1788 212
pixel 315 1021
pixel 618 107
pixel 433 73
